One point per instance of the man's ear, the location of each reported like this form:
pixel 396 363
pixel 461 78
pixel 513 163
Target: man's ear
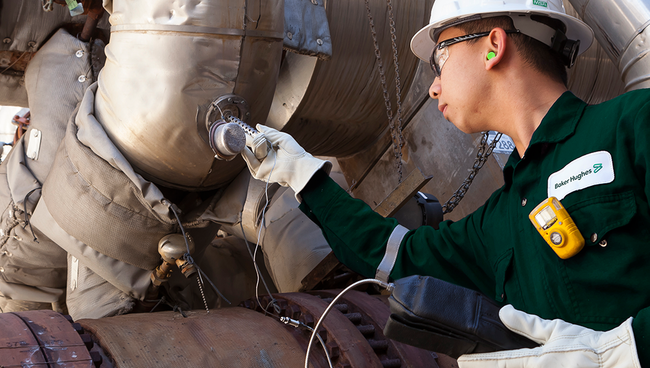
pixel 495 47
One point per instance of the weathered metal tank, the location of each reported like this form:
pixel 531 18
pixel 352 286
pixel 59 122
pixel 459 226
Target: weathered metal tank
pixel 336 107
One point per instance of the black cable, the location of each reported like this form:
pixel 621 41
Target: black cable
pixel 211 284
pixel 189 258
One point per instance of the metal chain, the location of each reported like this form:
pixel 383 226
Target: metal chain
pixel 398 82
pixel 397 138
pixel 395 131
pixel 47 5
pixel 484 151
pixel 205 302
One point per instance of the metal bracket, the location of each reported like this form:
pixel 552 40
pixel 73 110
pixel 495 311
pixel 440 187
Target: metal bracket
pixel 402 193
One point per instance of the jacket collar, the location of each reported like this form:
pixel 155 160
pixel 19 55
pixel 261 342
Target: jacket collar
pixel 559 123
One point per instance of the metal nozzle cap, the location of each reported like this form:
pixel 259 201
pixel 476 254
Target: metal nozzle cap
pixel 227 139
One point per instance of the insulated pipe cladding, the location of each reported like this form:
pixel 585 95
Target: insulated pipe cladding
pixel 621 28
pixel 167 62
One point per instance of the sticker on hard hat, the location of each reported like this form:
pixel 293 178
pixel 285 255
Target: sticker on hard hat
pixel 540 3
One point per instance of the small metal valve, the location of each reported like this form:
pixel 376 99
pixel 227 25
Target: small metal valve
pixel 172 249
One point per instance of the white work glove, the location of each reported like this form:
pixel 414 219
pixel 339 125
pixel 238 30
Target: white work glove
pixel 564 345
pixel 287 163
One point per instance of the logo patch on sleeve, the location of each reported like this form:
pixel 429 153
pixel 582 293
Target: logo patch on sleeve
pixel 592 169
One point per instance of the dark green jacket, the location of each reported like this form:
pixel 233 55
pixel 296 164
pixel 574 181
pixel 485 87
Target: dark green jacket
pixel 496 249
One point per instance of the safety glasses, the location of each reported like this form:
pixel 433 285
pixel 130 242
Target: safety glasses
pixel 440 53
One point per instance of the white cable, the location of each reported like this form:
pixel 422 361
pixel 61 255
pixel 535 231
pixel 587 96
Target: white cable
pixel 257 245
pixel 295 323
pixel 327 354
pixel 386 286
pixel 259 235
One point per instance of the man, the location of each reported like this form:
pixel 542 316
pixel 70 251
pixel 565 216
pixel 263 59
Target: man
pixel 502 67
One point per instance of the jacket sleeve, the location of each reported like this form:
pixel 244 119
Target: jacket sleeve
pixel 358 237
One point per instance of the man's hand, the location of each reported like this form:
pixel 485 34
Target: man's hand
pixel 564 345
pixel 287 163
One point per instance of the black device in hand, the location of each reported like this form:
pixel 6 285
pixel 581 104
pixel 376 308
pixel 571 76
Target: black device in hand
pixel 439 316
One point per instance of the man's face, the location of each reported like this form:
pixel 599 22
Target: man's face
pixel 461 87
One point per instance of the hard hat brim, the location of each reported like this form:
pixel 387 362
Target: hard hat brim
pixel 422 43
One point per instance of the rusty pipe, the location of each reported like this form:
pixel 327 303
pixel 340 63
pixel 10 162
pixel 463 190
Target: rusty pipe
pixel 229 337
pixel 93 11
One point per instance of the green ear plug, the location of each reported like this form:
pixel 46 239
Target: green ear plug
pixel 490 55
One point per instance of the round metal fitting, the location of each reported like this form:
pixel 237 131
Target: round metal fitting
pixel 7 253
pixel 2 269
pixel 315 2
pixel 319 42
pixel 187 269
pixel 226 139
pixel 594 237
pixel 603 243
pixel 79 53
pixel 224 106
pixel 523 202
pixel 6 40
pixel 31 44
pixel 290 35
pixel 172 247
pixel 82 78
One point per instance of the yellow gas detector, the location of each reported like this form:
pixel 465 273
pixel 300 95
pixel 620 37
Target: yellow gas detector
pixel 555 225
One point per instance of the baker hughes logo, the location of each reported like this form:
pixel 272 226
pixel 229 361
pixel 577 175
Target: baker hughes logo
pixel 596 168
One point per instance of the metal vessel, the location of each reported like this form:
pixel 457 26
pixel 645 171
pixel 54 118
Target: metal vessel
pixel 336 107
pixel 167 61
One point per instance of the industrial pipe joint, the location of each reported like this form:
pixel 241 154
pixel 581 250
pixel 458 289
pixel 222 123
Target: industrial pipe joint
pixel 173 249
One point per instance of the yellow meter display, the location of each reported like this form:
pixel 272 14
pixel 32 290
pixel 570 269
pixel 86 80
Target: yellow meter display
pixel 554 224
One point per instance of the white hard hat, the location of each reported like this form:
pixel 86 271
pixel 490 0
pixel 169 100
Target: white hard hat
pixel 446 13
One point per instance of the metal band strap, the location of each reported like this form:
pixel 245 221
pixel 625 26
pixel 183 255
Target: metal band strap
pixel 392 248
pixel 197 30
